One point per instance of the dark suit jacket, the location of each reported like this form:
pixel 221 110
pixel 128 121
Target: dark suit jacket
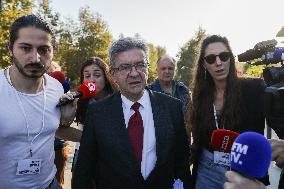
pixel 106 155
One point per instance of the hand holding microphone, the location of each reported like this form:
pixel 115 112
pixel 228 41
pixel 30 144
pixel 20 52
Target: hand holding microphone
pixel 237 181
pixel 68 109
pixel 250 156
pixel 277 151
pixel 84 91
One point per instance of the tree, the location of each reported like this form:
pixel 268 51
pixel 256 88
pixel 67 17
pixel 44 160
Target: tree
pixel 10 10
pixel 79 41
pixel 45 11
pixel 154 54
pixel 187 56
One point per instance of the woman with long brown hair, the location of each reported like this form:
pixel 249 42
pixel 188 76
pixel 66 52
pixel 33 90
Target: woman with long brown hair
pixel 220 100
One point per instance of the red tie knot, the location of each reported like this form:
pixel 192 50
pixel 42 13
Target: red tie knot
pixel 135 106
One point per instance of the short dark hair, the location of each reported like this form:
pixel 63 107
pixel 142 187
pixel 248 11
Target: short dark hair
pixel 30 21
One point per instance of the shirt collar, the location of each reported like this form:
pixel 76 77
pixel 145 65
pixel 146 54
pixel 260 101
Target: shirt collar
pixel 128 103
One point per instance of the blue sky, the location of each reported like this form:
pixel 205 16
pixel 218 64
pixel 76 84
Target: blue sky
pixel 170 23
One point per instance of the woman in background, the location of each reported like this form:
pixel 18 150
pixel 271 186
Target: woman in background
pixel 95 70
pixel 220 100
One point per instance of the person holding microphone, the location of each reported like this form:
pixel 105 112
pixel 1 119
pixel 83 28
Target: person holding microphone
pixel 220 101
pixel 238 181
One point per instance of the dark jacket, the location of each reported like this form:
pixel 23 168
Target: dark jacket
pixel 106 155
pixel 181 92
pixel 252 116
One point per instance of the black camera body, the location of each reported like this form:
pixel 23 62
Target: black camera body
pixel 266 53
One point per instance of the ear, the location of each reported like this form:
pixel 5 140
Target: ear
pixel 10 48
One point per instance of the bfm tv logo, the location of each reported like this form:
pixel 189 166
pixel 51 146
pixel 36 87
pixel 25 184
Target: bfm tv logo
pixel 237 151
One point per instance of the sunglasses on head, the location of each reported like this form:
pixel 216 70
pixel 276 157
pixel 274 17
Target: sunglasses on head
pixel 211 58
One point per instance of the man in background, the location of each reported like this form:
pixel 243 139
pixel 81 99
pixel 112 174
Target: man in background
pixel 165 82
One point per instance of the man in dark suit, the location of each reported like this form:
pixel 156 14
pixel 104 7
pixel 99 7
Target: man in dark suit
pixel 135 138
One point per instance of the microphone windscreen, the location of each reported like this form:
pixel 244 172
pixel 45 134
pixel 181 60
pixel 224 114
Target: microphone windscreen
pixel 222 140
pixel 251 155
pixel 66 86
pixel 88 90
pixel 58 75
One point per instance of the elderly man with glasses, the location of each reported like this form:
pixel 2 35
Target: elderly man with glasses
pixel 135 138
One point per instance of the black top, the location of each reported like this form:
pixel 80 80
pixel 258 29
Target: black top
pixel 252 109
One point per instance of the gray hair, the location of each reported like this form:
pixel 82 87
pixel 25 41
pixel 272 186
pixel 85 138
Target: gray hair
pixel 164 57
pixel 124 44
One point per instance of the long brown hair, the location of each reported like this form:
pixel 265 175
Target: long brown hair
pixel 110 86
pixel 203 89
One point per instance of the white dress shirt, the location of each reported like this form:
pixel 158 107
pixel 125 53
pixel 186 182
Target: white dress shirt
pixel 149 156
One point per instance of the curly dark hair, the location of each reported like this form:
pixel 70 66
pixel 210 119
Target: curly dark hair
pixel 203 88
pixel 110 86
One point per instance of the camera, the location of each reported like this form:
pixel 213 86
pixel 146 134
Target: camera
pixel 267 53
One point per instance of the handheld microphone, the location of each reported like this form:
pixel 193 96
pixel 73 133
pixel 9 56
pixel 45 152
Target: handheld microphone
pixel 85 91
pixel 251 155
pixel 222 140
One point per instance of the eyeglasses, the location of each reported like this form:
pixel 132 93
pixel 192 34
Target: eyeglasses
pixel 126 68
pixel 211 58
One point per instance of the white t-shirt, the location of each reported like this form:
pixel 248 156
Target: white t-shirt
pixel 14 141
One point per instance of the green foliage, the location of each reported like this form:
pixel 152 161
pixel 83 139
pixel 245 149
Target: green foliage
pixel 45 11
pixel 251 70
pixel 11 10
pixel 187 57
pixel 76 41
pixel 79 41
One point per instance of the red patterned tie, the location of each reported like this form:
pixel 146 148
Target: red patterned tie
pixel 136 131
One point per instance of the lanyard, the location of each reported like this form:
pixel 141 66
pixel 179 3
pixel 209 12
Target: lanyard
pixel 24 112
pixel 215 116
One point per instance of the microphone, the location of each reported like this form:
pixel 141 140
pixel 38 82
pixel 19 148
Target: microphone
pixel 84 91
pixel 222 140
pixel 251 155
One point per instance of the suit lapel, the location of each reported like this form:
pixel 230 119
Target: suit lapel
pixel 120 136
pixel 161 124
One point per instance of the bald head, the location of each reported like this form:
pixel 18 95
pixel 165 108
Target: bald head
pixel 165 68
